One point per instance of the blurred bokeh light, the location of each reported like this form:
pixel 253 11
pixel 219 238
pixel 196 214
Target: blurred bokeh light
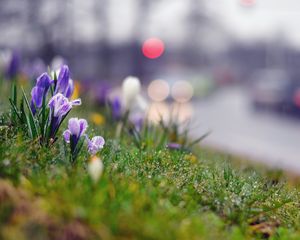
pixel 158 90
pixel 182 91
pixel 153 48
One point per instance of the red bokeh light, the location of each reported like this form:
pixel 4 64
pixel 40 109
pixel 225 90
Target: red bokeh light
pixel 153 48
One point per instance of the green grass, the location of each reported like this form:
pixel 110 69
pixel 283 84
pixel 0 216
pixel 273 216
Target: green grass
pixel 144 193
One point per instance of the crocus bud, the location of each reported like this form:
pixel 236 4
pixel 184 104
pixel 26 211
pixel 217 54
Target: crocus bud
pixel 95 168
pixel 39 91
pixel 44 81
pixel 37 96
pixel 63 79
pixel 70 89
pixel 131 88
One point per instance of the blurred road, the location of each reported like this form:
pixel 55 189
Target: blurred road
pixel 238 129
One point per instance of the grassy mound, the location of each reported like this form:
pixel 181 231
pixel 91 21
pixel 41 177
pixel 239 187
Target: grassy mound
pixel 144 193
pixel 149 189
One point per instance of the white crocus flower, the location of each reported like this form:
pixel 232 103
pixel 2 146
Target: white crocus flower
pixel 56 72
pixel 130 90
pixel 95 168
pixel 57 62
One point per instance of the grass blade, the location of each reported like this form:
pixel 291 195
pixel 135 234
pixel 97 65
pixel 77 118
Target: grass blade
pixel 30 119
pixel 199 139
pixel 14 109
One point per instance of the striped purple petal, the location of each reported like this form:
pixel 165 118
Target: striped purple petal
pixel 95 144
pixel 63 79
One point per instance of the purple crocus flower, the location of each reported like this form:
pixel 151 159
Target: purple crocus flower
pixel 59 106
pixel 65 84
pixel 40 91
pixel 102 92
pixel 36 98
pixel 95 144
pixel 116 108
pixel 63 79
pixel 76 129
pixel 44 81
pixel 70 89
pixel 138 121
pixel 14 65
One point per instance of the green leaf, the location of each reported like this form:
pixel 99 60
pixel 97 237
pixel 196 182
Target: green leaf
pixel 44 121
pixel 22 111
pixel 199 139
pixel 14 108
pixel 29 127
pixel 76 149
pixel 30 119
pixel 136 137
pixel 14 93
pixel 14 102
pixel 163 139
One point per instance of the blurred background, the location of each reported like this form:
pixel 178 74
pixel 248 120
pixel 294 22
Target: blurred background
pixel 232 66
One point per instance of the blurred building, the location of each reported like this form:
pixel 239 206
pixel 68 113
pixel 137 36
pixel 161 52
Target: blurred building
pixel 103 38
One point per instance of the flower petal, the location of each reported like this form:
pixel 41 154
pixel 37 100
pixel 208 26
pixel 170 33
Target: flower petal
pixel 43 81
pixel 83 126
pixel 70 89
pixel 37 96
pixel 67 135
pixel 76 102
pixel 63 79
pixel 98 141
pixel 63 110
pixel 95 144
pixel 74 126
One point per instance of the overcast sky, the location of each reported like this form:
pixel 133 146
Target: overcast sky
pixel 167 19
pixel 264 19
